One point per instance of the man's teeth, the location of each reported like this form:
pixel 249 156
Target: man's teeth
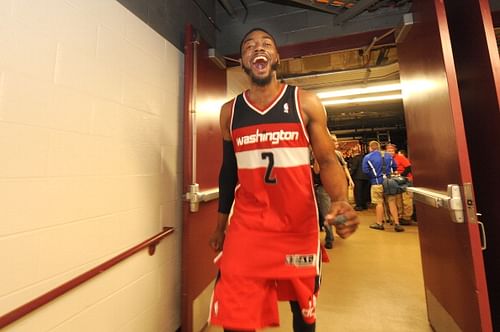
pixel 259 58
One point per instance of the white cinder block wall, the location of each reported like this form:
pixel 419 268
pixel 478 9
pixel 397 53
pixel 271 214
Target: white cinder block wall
pixel 90 118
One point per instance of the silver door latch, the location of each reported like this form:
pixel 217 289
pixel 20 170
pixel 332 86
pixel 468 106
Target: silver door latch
pixel 194 196
pixel 451 200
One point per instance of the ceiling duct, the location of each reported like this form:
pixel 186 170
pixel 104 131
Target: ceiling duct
pixel 357 9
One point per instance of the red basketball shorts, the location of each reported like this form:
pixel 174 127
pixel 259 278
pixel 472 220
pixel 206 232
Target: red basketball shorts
pixel 245 303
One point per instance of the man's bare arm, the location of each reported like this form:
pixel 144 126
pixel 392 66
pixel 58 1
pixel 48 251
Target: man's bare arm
pixel 331 172
pixel 225 119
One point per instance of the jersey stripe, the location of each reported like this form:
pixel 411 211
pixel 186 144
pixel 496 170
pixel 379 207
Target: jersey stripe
pixel 283 157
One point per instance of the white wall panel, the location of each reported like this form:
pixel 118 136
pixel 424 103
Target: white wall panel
pixel 90 116
pixel 24 265
pixel 30 50
pixel 25 100
pixel 24 150
pixel 140 34
pixel 22 199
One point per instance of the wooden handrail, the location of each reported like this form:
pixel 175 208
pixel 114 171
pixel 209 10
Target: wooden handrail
pixel 36 303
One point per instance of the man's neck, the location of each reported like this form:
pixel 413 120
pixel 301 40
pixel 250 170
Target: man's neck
pixel 263 95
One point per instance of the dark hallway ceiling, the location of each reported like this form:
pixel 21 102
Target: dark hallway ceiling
pixel 357 61
pixel 299 21
pixel 341 41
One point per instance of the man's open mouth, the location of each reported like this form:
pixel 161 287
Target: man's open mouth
pixel 260 62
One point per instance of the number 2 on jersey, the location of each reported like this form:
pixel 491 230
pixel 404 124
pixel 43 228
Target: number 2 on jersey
pixel 270 157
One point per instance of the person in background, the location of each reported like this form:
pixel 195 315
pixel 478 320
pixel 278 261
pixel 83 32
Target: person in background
pixel 404 201
pixel 342 161
pixel 323 202
pixel 361 181
pixel 373 167
pixel 267 234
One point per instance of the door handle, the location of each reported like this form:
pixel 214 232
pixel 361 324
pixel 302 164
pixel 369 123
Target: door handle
pixel 450 200
pixel 195 196
pixel 483 232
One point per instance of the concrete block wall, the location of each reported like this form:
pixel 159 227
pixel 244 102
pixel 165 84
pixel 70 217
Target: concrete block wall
pixel 90 164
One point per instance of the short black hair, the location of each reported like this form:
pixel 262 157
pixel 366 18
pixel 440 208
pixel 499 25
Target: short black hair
pixel 253 30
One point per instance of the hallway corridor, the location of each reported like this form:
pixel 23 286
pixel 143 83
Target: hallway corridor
pixel 373 283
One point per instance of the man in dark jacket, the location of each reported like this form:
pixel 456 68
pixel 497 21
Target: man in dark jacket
pixel 361 181
pixel 373 166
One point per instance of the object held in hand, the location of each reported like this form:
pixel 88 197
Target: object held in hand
pixel 339 220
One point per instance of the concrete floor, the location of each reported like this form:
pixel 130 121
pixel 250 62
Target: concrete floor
pixel 373 283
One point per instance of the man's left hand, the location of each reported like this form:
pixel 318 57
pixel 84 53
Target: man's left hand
pixel 343 208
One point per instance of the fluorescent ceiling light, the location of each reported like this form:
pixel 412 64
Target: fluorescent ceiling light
pixel 361 99
pixel 360 91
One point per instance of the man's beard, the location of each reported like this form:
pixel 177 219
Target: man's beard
pixel 261 81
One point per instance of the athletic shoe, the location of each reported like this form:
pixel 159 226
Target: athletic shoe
pixel 399 228
pixel 379 227
pixel 404 222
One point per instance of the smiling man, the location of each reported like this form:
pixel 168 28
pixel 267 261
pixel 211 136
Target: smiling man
pixel 267 233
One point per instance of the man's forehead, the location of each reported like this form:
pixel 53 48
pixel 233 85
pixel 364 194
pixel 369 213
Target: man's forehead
pixel 258 34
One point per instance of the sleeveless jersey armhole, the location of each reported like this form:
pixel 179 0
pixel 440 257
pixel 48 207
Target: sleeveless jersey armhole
pixel 232 117
pixel 299 113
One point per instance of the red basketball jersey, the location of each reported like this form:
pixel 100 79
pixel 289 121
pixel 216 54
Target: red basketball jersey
pixel 273 226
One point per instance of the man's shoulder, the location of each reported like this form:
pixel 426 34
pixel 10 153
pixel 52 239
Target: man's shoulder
pixel 401 159
pixel 368 156
pixel 304 95
pixel 228 105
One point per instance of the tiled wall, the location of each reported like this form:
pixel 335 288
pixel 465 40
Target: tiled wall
pixel 90 114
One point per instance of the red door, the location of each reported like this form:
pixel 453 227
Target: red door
pixel 452 261
pixel 204 94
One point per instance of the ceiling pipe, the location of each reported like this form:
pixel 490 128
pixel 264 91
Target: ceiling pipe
pixel 367 52
pixel 375 40
pixel 209 18
pixel 228 7
pixel 355 10
pixel 244 4
pixel 313 5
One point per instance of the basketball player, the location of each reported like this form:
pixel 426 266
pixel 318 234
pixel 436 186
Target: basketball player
pixel 267 233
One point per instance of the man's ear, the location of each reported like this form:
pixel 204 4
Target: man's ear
pixel 241 63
